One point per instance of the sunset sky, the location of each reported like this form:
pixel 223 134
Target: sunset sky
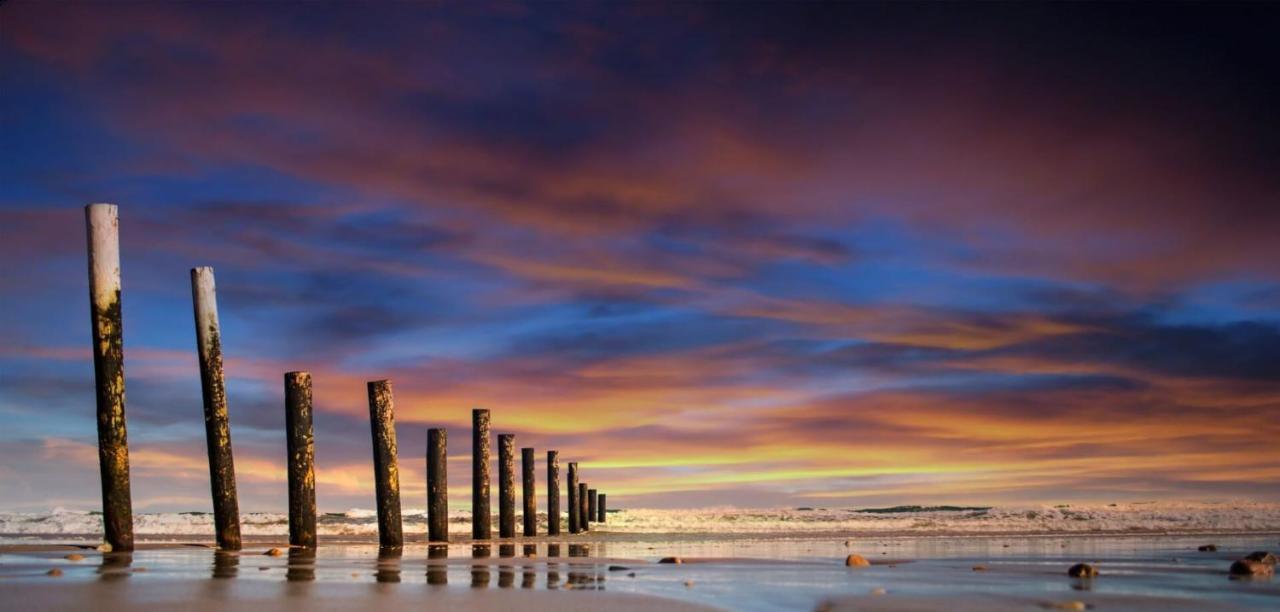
pixel 752 255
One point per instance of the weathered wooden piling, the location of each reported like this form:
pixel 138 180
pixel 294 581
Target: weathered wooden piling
pixel 217 427
pixel 553 493
pixel 103 229
pixel 600 508
pixel 528 492
pixel 506 486
pixel 302 455
pixel 582 507
pixel 591 505
pixel 573 497
pixel 480 527
pixel 437 486
pixel 386 473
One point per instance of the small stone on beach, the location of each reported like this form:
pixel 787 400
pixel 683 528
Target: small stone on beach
pixel 1208 548
pixel 688 584
pixel 856 561
pixel 54 572
pixel 1248 567
pixel 618 568
pixel 1082 570
pixel 74 557
pixel 104 547
pixel 1066 605
pixel 878 591
pixel 979 568
pixel 675 560
pixel 274 552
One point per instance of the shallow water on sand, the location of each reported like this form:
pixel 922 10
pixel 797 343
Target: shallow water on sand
pixel 1154 572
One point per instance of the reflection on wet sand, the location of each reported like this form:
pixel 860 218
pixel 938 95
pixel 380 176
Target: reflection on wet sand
pixel 302 565
pixel 579 550
pixel 528 577
pixel 225 564
pixel 388 565
pixel 553 550
pixel 437 573
pixel 115 566
pixel 530 550
pixel 479 572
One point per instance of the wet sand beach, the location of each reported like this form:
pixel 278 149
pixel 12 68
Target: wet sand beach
pixel 623 572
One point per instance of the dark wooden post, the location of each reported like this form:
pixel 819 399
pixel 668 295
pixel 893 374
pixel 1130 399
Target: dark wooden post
pixel 386 474
pixel 591 505
pixel 506 486
pixel 480 527
pixel 573 497
pixel 301 447
pixel 529 492
pixel 553 493
pixel 582 507
pixel 437 486
pixel 217 427
pixel 103 229
pixel 600 508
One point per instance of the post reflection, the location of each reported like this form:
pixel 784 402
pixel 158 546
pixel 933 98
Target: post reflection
pixel 115 566
pixel 528 577
pixel 480 571
pixel 437 573
pixel 388 565
pixel 302 565
pixel 225 564
pixel 579 550
pixel 530 550
pixel 553 550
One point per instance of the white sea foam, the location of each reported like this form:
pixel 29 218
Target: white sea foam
pixel 1238 516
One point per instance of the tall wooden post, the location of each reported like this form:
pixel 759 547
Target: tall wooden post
pixel 573 497
pixel 529 492
pixel 386 474
pixel 582 507
pixel 437 486
pixel 506 486
pixel 553 493
pixel 217 427
pixel 591 505
pixel 480 527
pixel 103 229
pixel 302 455
pixel 600 508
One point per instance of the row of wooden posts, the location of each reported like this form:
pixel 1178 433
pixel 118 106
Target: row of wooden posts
pixel 585 505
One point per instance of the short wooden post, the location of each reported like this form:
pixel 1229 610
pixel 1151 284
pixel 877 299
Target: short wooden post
pixel 217 427
pixel 103 228
pixel 506 486
pixel 600 508
pixel 302 454
pixel 437 486
pixel 480 527
pixel 573 497
pixel 553 493
pixel 529 492
pixel 591 505
pixel 582 507
pixel 386 474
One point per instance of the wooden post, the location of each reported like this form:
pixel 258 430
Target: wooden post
pixel 302 455
pixel 480 527
pixel 582 507
pixel 591 505
pixel 506 486
pixel 437 486
pixel 386 474
pixel 529 492
pixel 103 228
pixel 553 493
pixel 217 427
pixel 600 508
pixel 573 497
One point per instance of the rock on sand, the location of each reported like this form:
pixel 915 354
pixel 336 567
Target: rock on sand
pixel 1249 567
pixel 1082 570
pixel 856 561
